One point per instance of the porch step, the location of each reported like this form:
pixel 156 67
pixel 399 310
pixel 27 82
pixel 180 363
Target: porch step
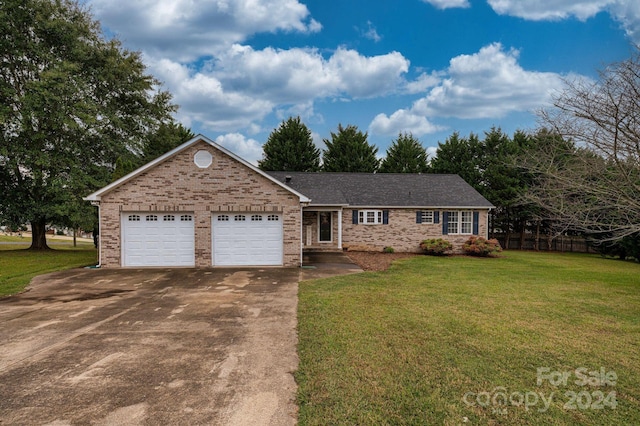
pixel 329 249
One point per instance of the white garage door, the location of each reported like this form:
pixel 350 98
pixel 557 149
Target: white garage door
pixel 157 239
pixel 247 239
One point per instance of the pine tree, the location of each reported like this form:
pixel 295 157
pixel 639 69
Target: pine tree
pixel 349 151
pixel 290 148
pixel 405 155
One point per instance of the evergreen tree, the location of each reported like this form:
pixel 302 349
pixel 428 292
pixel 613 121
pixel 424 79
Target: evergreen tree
pixel 489 167
pixel 349 151
pixel 290 148
pixel 461 156
pixel 405 155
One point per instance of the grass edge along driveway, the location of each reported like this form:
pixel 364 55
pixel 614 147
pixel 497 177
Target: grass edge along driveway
pixel 18 266
pixel 460 340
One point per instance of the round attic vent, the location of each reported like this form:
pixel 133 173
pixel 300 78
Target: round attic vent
pixel 203 159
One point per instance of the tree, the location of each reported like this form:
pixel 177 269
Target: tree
pixel 167 137
pixel 290 148
pixel 71 103
pixel 487 165
pixel 349 151
pixel 461 156
pixel 594 187
pixel 405 155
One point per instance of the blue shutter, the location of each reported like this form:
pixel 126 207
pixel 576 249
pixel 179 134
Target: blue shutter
pixel 385 217
pixel 445 223
pixel 418 217
pixel 354 217
pixel 436 217
pixel 476 218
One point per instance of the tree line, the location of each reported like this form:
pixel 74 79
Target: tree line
pixel 290 147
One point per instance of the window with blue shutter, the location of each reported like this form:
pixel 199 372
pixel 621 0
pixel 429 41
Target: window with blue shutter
pixel 476 219
pixel 445 223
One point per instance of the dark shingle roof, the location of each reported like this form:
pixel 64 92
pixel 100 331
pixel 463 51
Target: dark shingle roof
pixel 384 189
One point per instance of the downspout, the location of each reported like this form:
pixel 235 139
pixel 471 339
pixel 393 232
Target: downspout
pixel 97 204
pixel 340 228
pixel 301 233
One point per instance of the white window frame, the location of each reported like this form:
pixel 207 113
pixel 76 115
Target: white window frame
pixel 370 217
pixel 464 223
pixel 427 217
pixel 463 220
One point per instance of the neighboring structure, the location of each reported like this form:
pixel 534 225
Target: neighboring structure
pixel 201 205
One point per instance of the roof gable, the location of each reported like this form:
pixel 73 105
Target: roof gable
pixel 96 196
pixel 385 189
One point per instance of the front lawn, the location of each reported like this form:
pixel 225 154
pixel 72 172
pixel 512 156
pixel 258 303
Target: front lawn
pixel 18 265
pixel 462 340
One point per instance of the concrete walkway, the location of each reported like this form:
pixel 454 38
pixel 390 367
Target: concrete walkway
pixel 326 264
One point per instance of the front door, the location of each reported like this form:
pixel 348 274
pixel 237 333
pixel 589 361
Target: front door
pixel 325 226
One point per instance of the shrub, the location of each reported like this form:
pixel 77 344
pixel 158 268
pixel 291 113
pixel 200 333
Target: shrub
pixel 478 246
pixel 388 250
pixel 436 247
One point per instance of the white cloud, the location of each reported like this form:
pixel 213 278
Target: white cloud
pixel 402 121
pixel 432 151
pixel 487 84
pixel 363 77
pixel 189 29
pixel 422 83
pixel 371 33
pixel 446 4
pixel 296 75
pixel 549 10
pixel 244 85
pixel 248 149
pixel 627 12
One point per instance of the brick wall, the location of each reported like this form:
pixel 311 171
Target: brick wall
pixel 178 185
pixel 402 233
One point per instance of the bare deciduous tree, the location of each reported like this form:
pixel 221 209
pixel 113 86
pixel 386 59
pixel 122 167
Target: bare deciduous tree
pixel 587 161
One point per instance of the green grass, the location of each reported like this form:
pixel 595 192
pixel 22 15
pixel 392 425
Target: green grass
pixel 404 346
pixel 18 265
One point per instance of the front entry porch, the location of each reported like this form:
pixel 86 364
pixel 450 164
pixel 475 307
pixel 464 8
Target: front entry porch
pixel 322 229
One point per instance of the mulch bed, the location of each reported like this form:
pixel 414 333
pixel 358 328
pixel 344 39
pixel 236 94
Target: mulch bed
pixel 372 261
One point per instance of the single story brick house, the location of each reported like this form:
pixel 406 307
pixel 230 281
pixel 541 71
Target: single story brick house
pixel 200 205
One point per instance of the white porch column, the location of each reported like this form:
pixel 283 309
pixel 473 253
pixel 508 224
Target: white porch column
pixel 340 228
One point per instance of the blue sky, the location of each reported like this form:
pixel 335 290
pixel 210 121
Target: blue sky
pixel 238 68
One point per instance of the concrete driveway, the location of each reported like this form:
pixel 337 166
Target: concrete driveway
pixel 182 346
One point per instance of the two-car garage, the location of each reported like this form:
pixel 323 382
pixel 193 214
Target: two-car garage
pixel 199 205
pixel 168 239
